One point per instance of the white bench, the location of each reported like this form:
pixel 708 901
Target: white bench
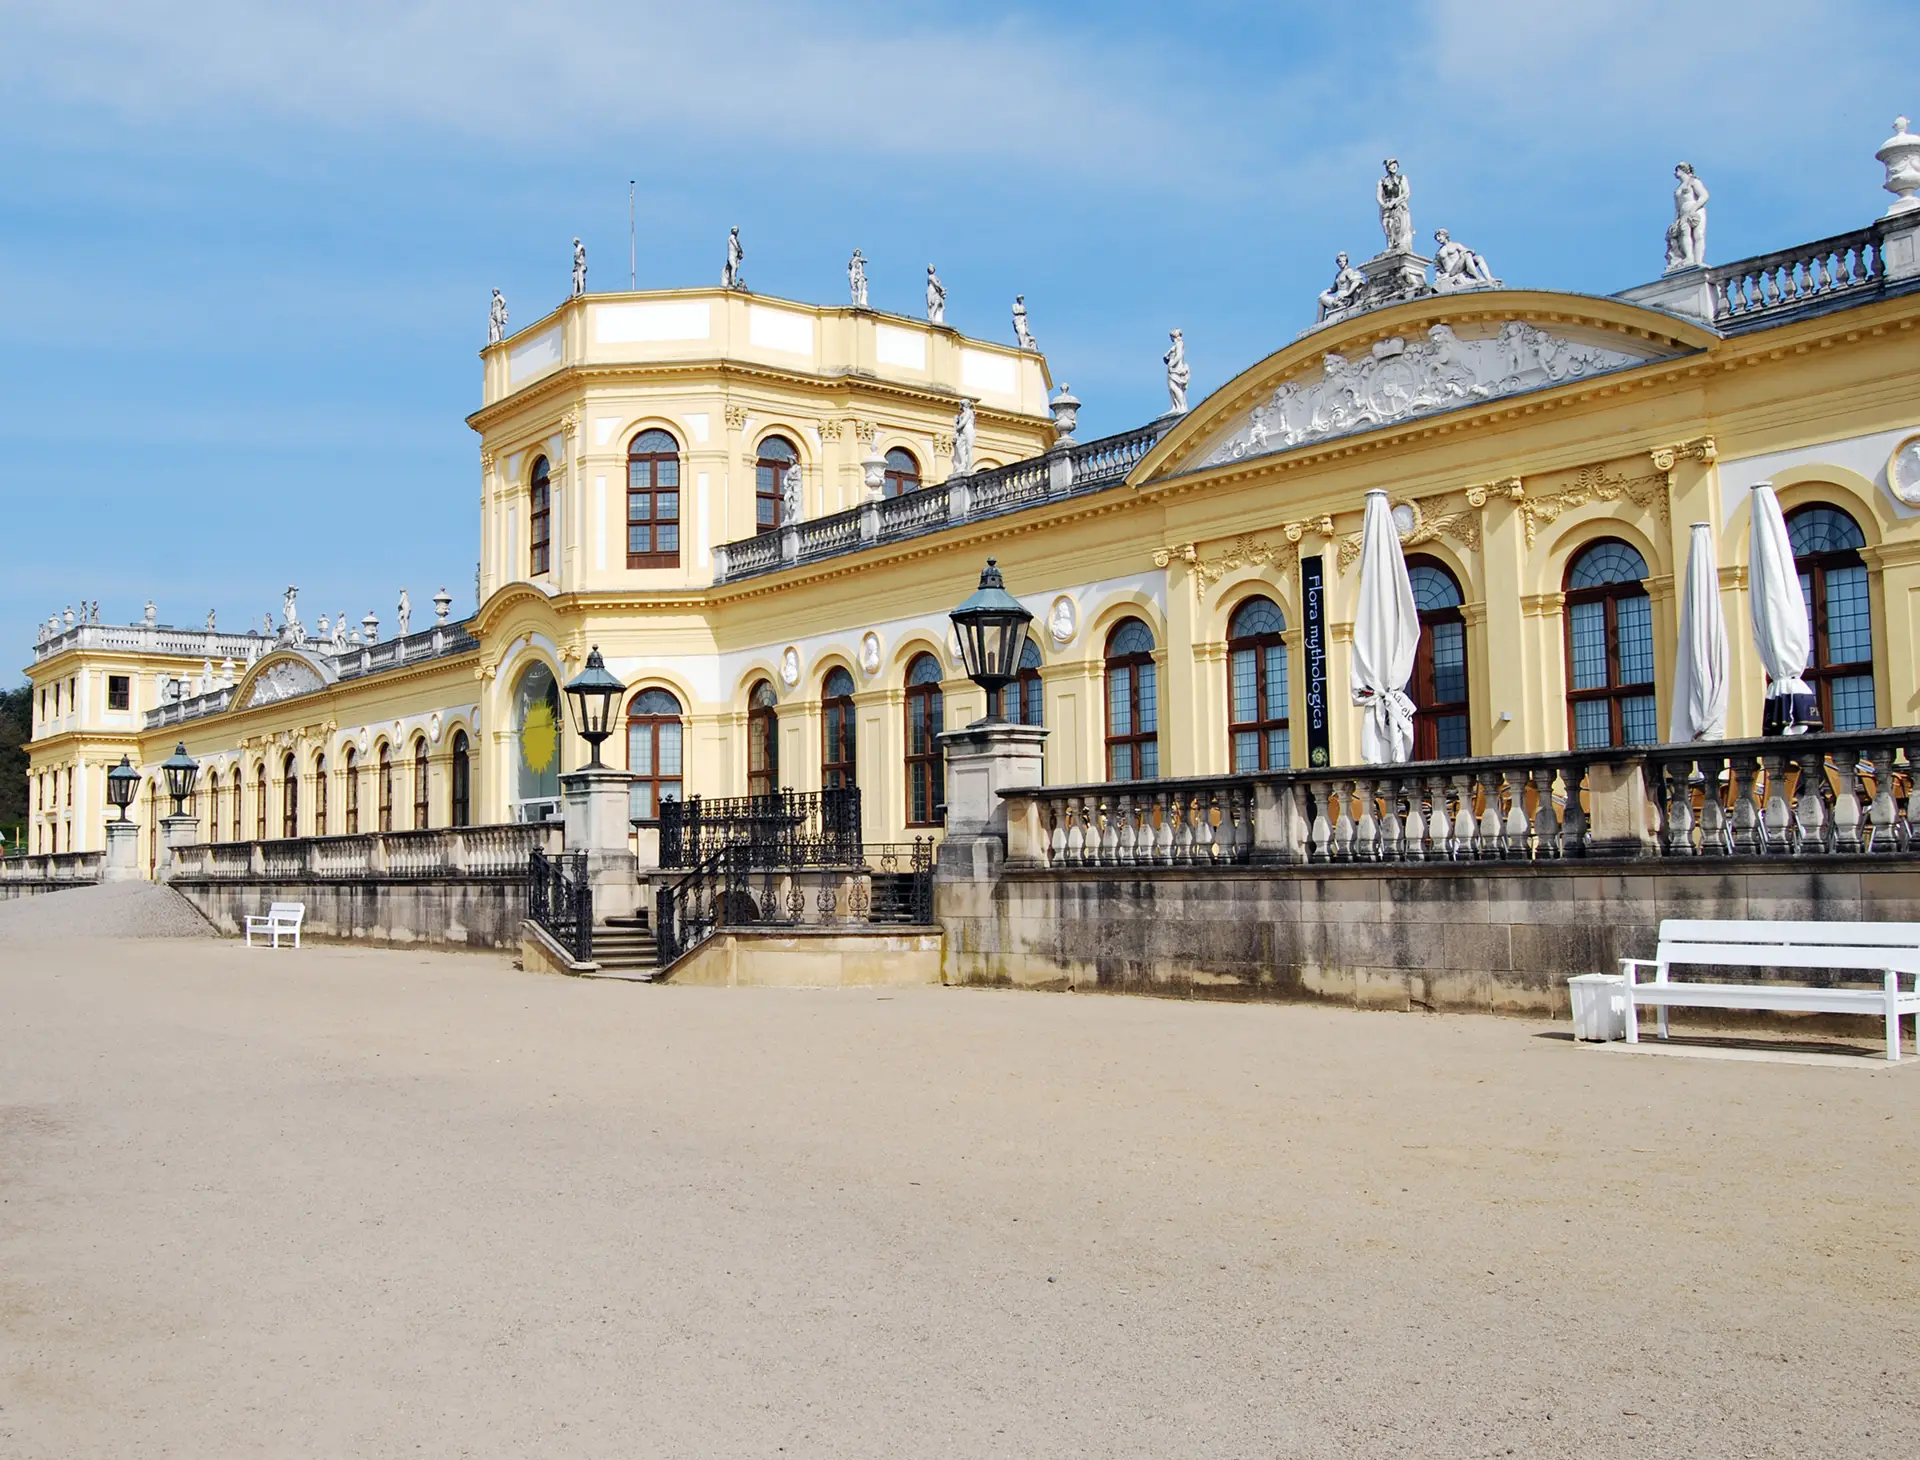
pixel 281 918
pixel 1889 949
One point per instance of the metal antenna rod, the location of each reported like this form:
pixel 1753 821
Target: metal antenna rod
pixel 633 247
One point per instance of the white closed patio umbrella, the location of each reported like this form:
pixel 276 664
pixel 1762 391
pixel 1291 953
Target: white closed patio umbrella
pixel 1700 668
pixel 1386 632
pixel 1780 629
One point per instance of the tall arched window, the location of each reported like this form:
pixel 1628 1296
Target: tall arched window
pixel 260 803
pixel 420 803
pixel 770 471
pixel 1257 726
pixel 903 472
pixel 653 752
pixel 238 820
pixel 462 776
pixel 320 827
pixel 1439 687
pixel 213 807
pixel 385 791
pixel 926 718
pixel 536 720
pixel 653 501
pixel 1024 701
pixel 289 797
pixel 1609 648
pixel 763 740
pixel 1133 703
pixel 351 765
pixel 836 731
pixel 539 518
pixel 1833 580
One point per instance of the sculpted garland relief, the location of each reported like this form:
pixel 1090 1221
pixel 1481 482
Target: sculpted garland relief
pixel 1399 380
pixel 283 681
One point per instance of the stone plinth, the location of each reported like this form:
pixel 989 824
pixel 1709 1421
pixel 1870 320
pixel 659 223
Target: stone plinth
pixel 122 862
pixel 176 832
pixel 594 812
pixel 984 759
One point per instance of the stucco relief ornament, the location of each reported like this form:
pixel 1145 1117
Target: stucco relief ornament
pixel 870 654
pixel 1022 335
pixel 496 319
pixel 433 727
pixel 857 279
pixel 730 275
pixel 283 681
pixel 1179 373
pixel 963 429
pixel 1903 471
pixel 790 666
pixel 1687 234
pixel 1398 380
pixel 1900 154
pixel 1457 268
pixel 936 298
pixel 790 494
pixel 1062 621
pixel 579 268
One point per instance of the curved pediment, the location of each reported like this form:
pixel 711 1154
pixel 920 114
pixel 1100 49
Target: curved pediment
pixel 1410 362
pixel 282 675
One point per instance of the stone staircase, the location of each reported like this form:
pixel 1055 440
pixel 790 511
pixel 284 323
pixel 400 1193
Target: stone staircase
pixel 625 948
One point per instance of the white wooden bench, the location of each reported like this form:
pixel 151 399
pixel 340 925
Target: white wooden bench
pixel 283 918
pixel 1889 949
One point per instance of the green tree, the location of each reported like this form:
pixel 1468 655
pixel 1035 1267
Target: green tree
pixel 16 728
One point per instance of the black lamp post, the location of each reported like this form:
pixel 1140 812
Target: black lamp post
pixel 992 628
pixel 182 770
pixel 122 781
pixel 594 692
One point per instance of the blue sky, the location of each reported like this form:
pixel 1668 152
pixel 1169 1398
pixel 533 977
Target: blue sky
pixel 246 249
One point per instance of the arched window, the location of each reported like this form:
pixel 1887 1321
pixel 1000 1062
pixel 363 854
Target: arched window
pixel 1439 687
pixel 653 752
pixel 836 731
pixel 763 740
pixel 1257 727
pixel 1609 648
pixel 1833 580
pixel 536 720
pixel 420 806
pixel 1133 703
pixel 540 518
pixel 770 471
pixel 926 718
pixel 213 807
pixel 903 472
pixel 1023 702
pixel 462 773
pixel 238 822
pixel 386 787
pixel 320 827
pixel 289 797
pixel 260 803
pixel 351 765
pixel 653 501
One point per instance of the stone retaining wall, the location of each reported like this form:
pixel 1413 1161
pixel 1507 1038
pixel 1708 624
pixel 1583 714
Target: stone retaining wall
pixel 1453 936
pixel 447 912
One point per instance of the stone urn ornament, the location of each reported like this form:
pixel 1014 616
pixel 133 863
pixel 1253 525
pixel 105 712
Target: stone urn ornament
pixel 1900 154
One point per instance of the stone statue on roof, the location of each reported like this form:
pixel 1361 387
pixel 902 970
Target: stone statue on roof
pixel 1457 267
pixel 963 429
pixel 1687 234
pixel 405 612
pixel 497 319
pixel 936 298
pixel 730 276
pixel 1348 282
pixel 1395 195
pixel 857 279
pixel 1022 335
pixel 1179 373
pixel 579 268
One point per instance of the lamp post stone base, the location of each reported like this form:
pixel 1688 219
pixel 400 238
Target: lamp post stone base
pixel 594 815
pixel 122 861
pixel 176 832
pixel 984 759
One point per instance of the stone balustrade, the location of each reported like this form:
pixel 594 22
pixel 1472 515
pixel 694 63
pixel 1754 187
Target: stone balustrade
pixel 156 639
pixel 1064 471
pixel 1816 796
pixel 1792 279
pixel 459 852
pixel 52 868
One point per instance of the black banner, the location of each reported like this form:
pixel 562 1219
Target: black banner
pixel 1313 595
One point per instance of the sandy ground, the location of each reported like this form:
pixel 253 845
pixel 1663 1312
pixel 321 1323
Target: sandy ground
pixel 373 1203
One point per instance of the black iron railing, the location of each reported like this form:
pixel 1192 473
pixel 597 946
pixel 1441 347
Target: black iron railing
pixel 560 900
pixel 782 829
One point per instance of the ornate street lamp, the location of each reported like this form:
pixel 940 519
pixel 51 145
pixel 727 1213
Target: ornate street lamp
pixel 122 781
pixel 594 693
pixel 992 629
pixel 182 770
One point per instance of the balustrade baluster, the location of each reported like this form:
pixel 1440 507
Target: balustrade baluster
pixel 1163 834
pixel 1776 822
pixel 1320 833
pixel 1123 840
pixel 1343 827
pixel 1207 843
pixel 1184 810
pixel 1743 773
pixel 1677 832
pixel 1812 825
pixel 1882 812
pixel 1546 823
pixel 1075 840
pixel 1460 835
pixel 1486 826
pixel 1713 809
pixel 1366 829
pixel 1513 839
pixel 1846 800
pixel 1413 830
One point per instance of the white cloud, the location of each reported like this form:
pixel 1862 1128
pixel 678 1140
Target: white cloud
pixel 749 72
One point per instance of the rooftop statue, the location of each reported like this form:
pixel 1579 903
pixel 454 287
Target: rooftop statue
pixel 579 268
pixel 1396 213
pixel 1347 284
pixel 1179 373
pixel 730 276
pixel 1021 334
pixel 1687 234
pixel 209 620
pixel 1457 267
pixel 857 279
pixel 405 612
pixel 936 298
pixel 340 631
pixel 963 428
pixel 496 319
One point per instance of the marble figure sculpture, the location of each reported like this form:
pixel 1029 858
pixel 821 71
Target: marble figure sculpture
pixel 963 428
pixel 1687 234
pixel 579 268
pixel 1395 194
pixel 1179 373
pixel 1022 335
pixel 936 298
pixel 857 279
pixel 730 276
pixel 496 319
pixel 1457 267
pixel 1347 284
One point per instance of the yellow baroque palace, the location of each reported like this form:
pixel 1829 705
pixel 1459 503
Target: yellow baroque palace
pixel 755 510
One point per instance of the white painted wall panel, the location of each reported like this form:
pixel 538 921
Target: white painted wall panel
pixel 660 320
